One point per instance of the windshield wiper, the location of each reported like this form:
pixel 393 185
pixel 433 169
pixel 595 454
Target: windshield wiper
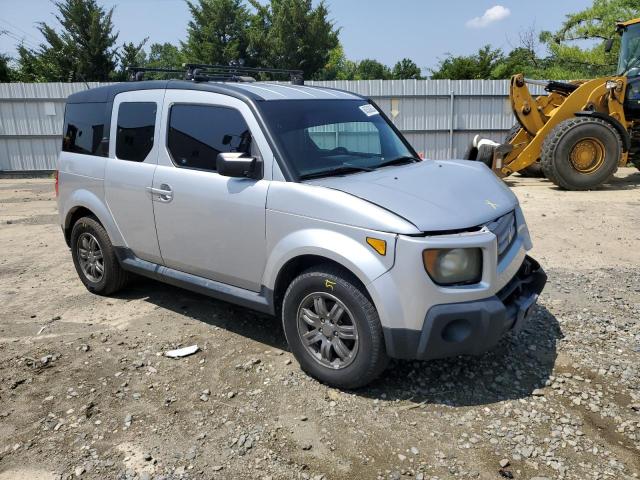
pixel 343 170
pixel 399 161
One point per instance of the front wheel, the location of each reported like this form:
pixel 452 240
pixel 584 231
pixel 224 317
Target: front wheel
pixel 581 153
pixel 333 329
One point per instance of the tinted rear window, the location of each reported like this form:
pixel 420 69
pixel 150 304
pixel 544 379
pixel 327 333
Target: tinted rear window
pixel 86 129
pixel 136 128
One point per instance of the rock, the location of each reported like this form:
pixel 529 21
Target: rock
pixel 147 456
pixel 79 471
pixel 307 446
pixel 231 395
pixel 128 419
pixel 415 451
pixel 402 457
pixel 538 392
pixel 504 463
pixel 216 468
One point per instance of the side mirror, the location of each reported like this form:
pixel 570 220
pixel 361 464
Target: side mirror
pixel 608 45
pixel 238 165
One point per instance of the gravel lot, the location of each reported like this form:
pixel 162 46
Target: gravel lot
pixel 85 391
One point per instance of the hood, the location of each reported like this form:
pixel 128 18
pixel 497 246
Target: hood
pixel 432 195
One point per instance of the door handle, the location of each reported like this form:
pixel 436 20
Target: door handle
pixel 164 193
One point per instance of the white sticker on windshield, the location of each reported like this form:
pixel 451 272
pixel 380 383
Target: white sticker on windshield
pixel 369 110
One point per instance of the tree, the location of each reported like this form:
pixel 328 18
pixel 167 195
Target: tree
pixel 292 34
pixel 369 69
pixel 480 65
pixel 572 50
pixel 406 69
pixel 217 32
pixel 338 67
pixel 6 72
pixel 165 55
pixel 131 55
pixel 84 49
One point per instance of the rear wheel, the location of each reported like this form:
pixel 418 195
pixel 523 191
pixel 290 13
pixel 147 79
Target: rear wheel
pixel 95 259
pixel 333 328
pixel 532 171
pixel 581 153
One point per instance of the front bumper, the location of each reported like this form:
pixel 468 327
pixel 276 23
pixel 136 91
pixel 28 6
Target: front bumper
pixel 470 328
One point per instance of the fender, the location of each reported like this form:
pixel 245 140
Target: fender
pixel 354 255
pixel 90 201
pixel 615 123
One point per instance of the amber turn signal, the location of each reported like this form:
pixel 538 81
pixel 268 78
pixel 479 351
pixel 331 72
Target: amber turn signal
pixel 378 245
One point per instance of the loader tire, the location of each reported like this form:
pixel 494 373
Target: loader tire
pixel 485 155
pixel 581 153
pixel 532 171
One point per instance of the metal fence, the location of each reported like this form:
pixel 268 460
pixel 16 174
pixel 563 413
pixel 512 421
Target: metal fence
pixel 438 117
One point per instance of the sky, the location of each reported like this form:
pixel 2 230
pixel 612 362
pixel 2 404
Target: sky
pixel 387 30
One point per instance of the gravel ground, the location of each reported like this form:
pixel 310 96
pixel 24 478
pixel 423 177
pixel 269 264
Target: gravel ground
pixel 86 393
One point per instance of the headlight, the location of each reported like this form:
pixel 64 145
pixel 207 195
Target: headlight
pixel 457 266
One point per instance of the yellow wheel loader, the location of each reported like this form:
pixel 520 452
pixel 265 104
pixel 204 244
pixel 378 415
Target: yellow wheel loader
pixel 581 132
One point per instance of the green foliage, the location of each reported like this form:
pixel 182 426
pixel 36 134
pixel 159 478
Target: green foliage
pixel 577 48
pixel 84 49
pixel 338 67
pixel 477 66
pixel 292 34
pixel 165 55
pixel 369 69
pixel 406 69
pixel 6 72
pixel 217 32
pixel 130 55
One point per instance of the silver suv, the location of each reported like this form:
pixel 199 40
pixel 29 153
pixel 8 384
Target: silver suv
pixel 301 202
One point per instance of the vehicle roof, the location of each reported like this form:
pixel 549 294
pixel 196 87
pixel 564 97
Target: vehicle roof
pixel 628 23
pixel 258 91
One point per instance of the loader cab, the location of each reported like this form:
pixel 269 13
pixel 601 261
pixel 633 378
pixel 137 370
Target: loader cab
pixel 629 66
pixel 629 61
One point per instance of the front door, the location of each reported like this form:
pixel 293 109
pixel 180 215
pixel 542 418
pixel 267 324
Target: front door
pixel 209 225
pixel 133 151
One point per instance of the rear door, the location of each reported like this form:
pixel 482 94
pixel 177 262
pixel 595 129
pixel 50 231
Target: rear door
pixel 133 150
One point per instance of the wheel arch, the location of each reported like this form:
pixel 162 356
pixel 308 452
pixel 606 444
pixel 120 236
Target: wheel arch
pixel 296 265
pixel 84 202
pixel 614 122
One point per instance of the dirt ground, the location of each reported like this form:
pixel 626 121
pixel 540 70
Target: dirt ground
pixel 85 391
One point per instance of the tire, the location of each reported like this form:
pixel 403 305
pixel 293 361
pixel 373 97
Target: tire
pixel 485 155
pixel 533 170
pixel 87 232
pixel 565 137
pixel 368 357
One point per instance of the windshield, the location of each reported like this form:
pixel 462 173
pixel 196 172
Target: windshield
pixel 331 137
pixel 630 51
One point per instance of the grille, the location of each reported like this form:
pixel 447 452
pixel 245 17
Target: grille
pixel 504 228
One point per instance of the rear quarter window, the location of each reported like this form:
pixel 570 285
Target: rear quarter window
pixel 86 129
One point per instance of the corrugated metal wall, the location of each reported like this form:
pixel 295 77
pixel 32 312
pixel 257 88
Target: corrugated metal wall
pixel 438 117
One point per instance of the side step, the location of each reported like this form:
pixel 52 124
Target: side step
pixel 260 301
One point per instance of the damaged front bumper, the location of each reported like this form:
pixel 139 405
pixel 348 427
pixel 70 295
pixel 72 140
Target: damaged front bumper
pixel 471 328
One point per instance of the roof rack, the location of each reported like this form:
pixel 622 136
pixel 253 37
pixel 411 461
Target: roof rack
pixel 197 72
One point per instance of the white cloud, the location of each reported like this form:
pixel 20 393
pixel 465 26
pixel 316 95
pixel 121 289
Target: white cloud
pixel 492 15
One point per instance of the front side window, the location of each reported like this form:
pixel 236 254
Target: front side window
pixel 198 133
pixel 86 129
pixel 629 62
pixel 334 137
pixel 136 128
